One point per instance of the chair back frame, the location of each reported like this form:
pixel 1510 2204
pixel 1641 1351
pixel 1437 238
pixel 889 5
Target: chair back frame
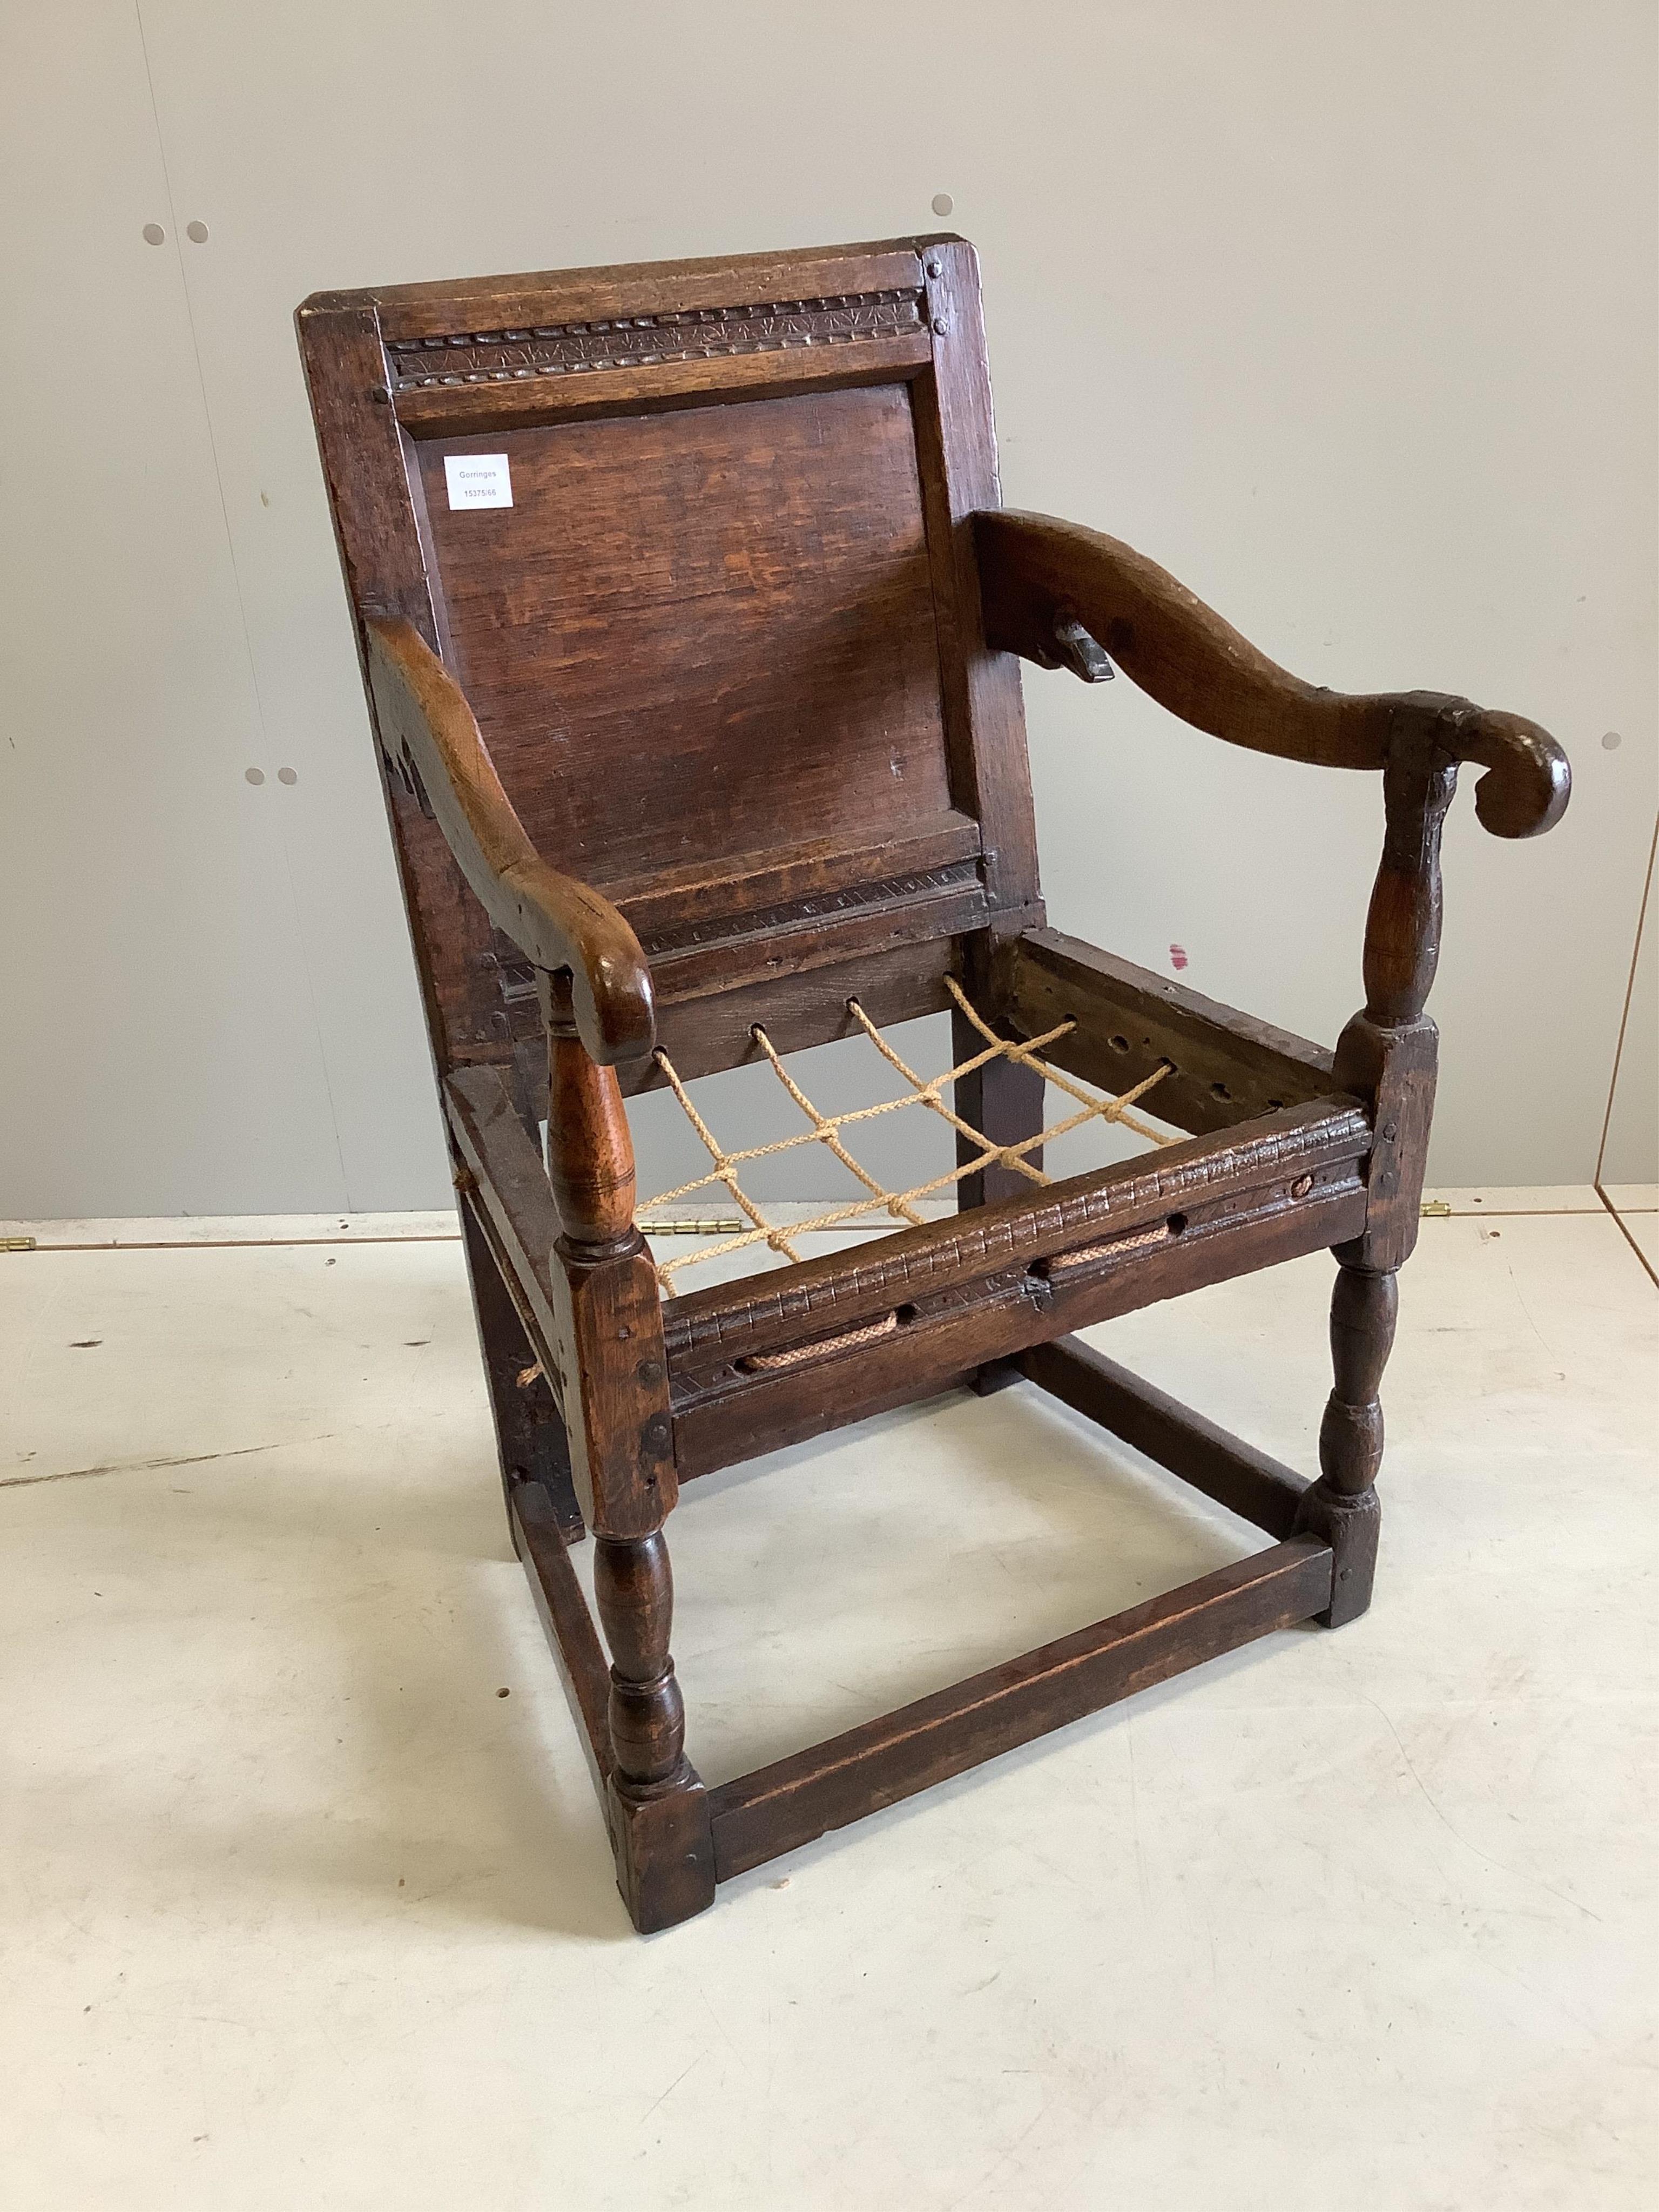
pixel 724 648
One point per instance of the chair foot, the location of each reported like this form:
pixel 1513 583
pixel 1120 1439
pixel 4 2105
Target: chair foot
pixel 659 1810
pixel 1351 1526
pixel 664 1847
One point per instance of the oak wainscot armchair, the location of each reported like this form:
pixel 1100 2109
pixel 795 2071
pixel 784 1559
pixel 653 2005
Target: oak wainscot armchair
pixel 691 622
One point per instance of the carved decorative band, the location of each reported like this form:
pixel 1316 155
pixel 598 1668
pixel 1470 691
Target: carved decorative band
pixel 917 1263
pixel 514 976
pixel 645 341
pixel 820 906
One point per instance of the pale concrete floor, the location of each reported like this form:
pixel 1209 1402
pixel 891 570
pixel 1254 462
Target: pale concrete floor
pixel 299 1911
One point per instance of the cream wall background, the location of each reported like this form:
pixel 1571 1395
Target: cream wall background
pixel 1345 314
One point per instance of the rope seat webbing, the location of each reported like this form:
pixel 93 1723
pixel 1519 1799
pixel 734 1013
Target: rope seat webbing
pixel 827 1128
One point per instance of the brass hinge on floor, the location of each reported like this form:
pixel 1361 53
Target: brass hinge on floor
pixel 1434 1209
pixel 17 1244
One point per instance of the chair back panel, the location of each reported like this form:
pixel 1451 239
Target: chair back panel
pixel 700 637
pixel 724 644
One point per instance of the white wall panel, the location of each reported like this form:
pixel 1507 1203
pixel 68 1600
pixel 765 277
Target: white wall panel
pixel 1630 1149
pixel 1346 315
pixel 158 1039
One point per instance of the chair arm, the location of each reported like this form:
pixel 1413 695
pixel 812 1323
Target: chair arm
pixel 1037 573
pixel 557 922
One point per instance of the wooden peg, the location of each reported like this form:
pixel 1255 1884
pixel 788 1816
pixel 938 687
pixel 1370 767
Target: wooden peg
pixel 1077 649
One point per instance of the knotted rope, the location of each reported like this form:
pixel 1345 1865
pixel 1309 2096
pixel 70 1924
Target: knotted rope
pixel 924 1092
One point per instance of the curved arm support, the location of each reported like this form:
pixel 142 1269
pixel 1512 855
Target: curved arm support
pixel 1036 571
pixel 557 922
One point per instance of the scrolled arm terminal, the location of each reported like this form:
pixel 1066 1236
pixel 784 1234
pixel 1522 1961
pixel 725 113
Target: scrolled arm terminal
pixel 1181 653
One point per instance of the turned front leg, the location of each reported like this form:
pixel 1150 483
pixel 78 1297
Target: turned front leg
pixel 655 1802
pixel 1386 1055
pixel 659 1810
pixel 634 1585
pixel 1343 1506
pixel 621 1430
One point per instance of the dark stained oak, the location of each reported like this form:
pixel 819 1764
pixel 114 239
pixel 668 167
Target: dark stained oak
pixel 1220 1067
pixel 1247 1482
pixel 412 312
pixel 566 1622
pixel 365 467
pixel 709 901
pixel 658 386
pixel 1342 1507
pixel 987 1284
pixel 659 1811
pixel 798 1799
pixel 559 922
pixel 717 723
pixel 529 1435
pixel 761 573
pixel 984 715
pixel 1004 1101
pixel 1188 659
pixel 608 1318
pixel 506 1191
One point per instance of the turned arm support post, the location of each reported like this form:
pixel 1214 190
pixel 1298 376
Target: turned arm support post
pixel 560 924
pixel 615 1383
pixel 1387 1054
pixel 1052 591
pixel 622 1436
pixel 590 1147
